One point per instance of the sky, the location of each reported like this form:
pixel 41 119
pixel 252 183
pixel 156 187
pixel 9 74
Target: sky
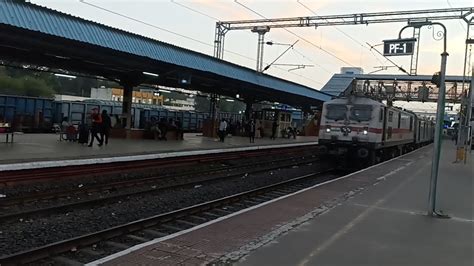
pixel 191 24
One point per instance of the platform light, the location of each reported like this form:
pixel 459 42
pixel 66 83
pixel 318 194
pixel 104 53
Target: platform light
pixel 184 79
pixel 165 91
pixel 237 96
pixel 150 74
pixel 229 100
pixel 65 76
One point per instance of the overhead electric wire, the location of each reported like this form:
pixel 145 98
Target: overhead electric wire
pixel 312 61
pixel 341 31
pixel 217 19
pixel 144 22
pixel 184 36
pixel 194 10
pixel 160 28
pixel 297 35
pixel 393 63
pixel 462 25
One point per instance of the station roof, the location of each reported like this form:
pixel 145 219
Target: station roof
pixel 37 35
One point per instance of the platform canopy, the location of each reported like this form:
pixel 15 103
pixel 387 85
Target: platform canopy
pixel 36 35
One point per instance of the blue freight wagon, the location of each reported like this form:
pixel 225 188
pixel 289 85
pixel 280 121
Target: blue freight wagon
pixel 28 114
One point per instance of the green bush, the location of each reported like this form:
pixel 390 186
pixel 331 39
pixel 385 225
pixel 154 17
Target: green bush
pixel 25 86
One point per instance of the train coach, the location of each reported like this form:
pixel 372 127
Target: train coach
pixel 370 131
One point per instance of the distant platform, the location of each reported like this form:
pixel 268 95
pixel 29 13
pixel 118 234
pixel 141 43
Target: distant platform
pixel 45 150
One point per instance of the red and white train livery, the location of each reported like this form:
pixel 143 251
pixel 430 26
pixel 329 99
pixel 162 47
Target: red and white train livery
pixel 371 130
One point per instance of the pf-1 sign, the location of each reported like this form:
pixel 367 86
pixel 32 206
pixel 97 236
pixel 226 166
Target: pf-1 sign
pixel 399 47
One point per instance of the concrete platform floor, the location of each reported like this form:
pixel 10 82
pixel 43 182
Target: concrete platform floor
pixel 387 224
pixel 372 217
pixel 47 147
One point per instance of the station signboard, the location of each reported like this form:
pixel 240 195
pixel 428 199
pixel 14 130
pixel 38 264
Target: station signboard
pixel 399 47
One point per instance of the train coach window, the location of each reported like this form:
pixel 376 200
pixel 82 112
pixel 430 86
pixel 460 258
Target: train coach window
pixel 336 112
pixel 390 116
pixel 269 115
pixel 361 113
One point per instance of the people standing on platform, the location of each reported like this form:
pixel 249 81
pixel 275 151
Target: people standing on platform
pixel 163 126
pixel 257 129
pixel 238 127
pixel 155 128
pixel 455 136
pixel 222 129
pixel 252 129
pixel 179 129
pixel 106 126
pixel 294 132
pixel 64 128
pixel 274 129
pixel 96 127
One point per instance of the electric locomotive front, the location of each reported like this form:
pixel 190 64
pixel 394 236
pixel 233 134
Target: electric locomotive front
pixel 351 125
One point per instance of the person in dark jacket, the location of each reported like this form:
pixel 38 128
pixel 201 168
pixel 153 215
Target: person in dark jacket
pixel 96 127
pixel 163 126
pixel 252 129
pixel 106 126
pixel 179 129
pixel 274 129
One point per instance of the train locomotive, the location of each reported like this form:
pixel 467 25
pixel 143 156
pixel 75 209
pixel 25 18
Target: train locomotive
pixel 362 130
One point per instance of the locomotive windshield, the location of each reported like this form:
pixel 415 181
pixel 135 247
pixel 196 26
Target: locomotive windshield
pixel 336 112
pixel 361 113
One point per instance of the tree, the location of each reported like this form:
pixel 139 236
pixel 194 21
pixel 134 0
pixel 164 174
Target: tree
pixel 24 85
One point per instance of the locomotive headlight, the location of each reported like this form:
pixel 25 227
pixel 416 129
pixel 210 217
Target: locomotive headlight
pixel 366 131
pixel 328 129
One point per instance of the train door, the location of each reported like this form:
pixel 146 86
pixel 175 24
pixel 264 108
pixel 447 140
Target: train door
pixel 383 111
pixel 418 132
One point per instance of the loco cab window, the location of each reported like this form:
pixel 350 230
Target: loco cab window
pixel 361 113
pixel 336 112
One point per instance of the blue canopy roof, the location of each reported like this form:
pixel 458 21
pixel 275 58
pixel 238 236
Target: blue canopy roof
pixel 40 19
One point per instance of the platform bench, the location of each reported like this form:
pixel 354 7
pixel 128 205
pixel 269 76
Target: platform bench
pixel 12 134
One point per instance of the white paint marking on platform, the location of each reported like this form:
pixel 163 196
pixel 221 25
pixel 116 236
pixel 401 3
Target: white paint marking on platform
pixel 161 239
pixel 411 212
pixel 459 219
pixel 408 160
pixel 129 158
pixel 391 173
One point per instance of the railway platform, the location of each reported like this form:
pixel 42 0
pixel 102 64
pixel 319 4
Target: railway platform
pixel 376 216
pixel 45 150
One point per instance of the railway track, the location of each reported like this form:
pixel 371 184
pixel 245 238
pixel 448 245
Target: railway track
pixel 170 182
pixel 33 175
pixel 89 247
